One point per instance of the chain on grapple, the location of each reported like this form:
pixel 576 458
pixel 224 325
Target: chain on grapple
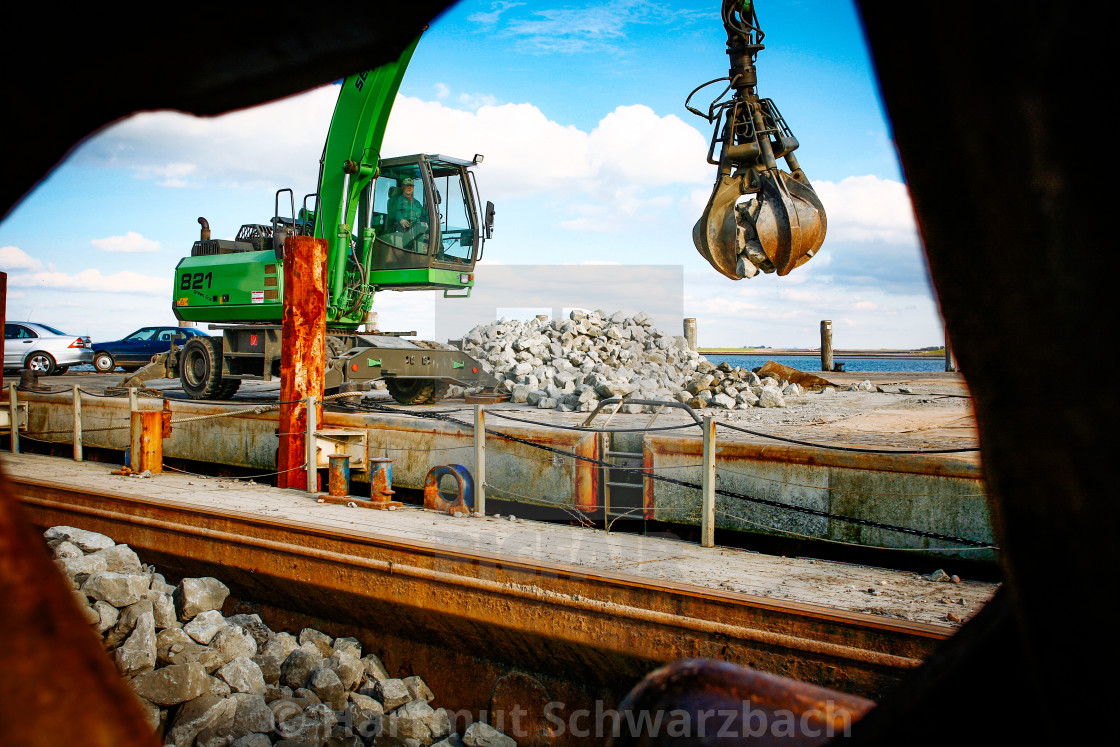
pixel 783 225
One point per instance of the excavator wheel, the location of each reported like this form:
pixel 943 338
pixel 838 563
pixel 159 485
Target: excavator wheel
pixel 200 367
pixel 417 391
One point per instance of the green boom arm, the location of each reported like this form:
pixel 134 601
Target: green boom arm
pixel 350 160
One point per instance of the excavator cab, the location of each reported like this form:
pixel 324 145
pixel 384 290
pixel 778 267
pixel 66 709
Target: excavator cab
pixel 428 228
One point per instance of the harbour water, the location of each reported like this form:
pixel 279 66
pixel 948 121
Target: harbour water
pixel 812 363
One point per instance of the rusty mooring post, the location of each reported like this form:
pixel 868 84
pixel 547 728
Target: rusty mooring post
pixel 149 446
pixel 338 477
pixel 708 487
pixel 303 360
pixel 826 345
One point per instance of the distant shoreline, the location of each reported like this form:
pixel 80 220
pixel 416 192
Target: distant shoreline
pixel 787 352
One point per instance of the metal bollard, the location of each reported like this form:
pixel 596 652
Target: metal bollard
pixel 338 475
pixel 381 479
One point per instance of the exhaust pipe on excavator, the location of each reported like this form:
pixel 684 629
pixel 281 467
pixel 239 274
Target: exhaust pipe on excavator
pixel 784 224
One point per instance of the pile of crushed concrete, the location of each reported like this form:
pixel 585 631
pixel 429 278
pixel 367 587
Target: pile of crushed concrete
pixel 571 365
pixel 207 680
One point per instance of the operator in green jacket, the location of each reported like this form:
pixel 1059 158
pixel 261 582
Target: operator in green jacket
pixel 408 216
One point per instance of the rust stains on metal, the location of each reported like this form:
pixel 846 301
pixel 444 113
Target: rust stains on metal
pixel 57 683
pixel 303 365
pixel 710 698
pixel 462 502
pixel 549 617
pixel 151 427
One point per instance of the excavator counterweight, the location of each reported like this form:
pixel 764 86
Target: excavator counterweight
pixel 784 224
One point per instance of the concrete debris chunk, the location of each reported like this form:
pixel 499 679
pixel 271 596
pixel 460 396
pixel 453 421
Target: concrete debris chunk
pixel 243 676
pixel 138 653
pixel 205 711
pixel 171 685
pixel 392 693
pixel 205 625
pixel 118 589
pixel 86 541
pixel 120 558
pixel 298 667
pixel 480 734
pixel 196 595
pixel 65 549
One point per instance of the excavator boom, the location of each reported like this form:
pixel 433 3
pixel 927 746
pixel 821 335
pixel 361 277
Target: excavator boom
pixel 784 224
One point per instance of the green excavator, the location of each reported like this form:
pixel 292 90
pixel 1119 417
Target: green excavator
pixel 406 223
pixel 417 223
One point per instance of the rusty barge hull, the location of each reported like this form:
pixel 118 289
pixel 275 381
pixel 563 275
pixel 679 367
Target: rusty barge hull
pixel 938 494
pixel 472 618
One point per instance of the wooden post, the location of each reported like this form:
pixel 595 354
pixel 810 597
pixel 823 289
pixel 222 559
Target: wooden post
pixel 303 356
pixel 690 332
pixel 77 424
pixel 310 455
pixel 826 345
pixel 708 502
pixel 950 362
pixel 480 460
pixel 149 444
pixel 13 405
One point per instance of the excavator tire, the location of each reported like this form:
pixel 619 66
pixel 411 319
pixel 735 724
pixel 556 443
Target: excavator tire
pixel 229 388
pixel 200 367
pixel 417 391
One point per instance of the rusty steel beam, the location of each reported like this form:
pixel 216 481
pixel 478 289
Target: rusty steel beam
pixel 56 683
pixel 304 344
pixel 546 617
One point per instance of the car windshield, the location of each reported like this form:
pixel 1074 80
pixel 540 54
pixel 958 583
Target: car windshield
pixel 52 330
pixel 142 335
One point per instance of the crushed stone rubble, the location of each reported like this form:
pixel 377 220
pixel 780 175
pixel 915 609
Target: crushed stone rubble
pixel 207 680
pixel 570 365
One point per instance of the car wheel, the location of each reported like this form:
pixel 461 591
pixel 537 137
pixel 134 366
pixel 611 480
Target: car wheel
pixel 104 362
pixel 41 363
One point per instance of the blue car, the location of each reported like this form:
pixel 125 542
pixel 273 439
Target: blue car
pixel 137 349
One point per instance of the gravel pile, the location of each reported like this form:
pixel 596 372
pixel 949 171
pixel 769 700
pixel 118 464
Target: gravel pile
pixel 570 365
pixel 208 680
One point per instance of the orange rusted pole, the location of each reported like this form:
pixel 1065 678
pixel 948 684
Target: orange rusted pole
pixel 303 341
pixel 151 441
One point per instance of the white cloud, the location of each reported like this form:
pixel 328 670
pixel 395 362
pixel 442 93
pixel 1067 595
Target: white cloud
pixel 867 208
pixel 14 259
pixel 272 145
pixel 92 280
pixel 130 243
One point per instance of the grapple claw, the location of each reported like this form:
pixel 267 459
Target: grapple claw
pixel 715 233
pixel 791 223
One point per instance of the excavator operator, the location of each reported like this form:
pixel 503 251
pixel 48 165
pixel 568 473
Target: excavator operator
pixel 407 216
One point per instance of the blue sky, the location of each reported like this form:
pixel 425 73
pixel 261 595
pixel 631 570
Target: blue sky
pixel 591 159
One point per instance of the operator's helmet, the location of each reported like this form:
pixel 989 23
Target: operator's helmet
pixel 407 182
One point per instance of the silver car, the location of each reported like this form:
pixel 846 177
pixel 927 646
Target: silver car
pixel 43 349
